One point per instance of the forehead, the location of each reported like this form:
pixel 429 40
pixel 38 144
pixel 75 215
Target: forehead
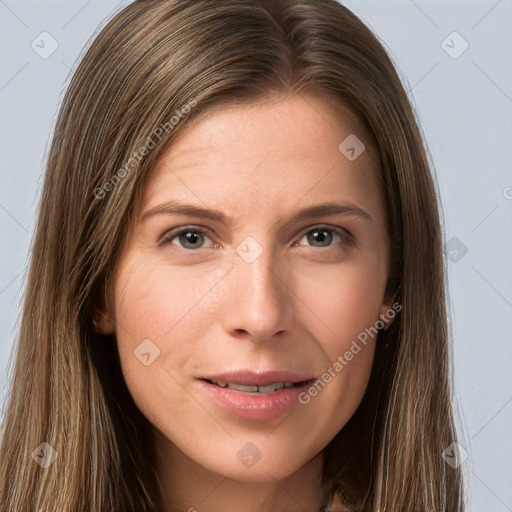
pixel 271 152
pixel 281 122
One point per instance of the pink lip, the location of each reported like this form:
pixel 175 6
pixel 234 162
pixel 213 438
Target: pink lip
pixel 264 407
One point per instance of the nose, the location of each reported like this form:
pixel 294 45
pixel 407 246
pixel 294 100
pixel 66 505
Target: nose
pixel 258 300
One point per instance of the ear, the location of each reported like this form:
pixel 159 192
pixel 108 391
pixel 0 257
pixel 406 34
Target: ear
pixel 388 309
pixel 103 315
pixel 103 323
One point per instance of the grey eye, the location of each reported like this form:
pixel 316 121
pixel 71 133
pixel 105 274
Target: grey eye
pixel 191 239
pixel 324 237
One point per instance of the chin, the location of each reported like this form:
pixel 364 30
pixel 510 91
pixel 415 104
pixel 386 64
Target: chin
pixel 258 471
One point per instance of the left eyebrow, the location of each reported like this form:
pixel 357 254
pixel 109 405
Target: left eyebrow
pixel 320 210
pixel 328 209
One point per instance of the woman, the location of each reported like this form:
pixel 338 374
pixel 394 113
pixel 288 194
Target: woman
pixel 185 343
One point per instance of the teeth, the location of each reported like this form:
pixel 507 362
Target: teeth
pixel 247 389
pixel 268 388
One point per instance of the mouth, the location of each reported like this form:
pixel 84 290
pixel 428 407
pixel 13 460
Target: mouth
pixel 257 389
pixel 255 396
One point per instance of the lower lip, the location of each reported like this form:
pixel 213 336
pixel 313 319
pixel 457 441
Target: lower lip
pixel 262 407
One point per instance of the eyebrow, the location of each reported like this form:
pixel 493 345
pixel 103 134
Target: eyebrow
pixel 192 210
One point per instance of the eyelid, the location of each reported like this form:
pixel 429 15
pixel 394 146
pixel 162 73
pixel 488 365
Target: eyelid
pixel 345 234
pixel 168 235
pixel 330 227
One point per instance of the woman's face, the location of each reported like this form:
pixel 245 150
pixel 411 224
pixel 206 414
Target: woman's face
pixel 236 274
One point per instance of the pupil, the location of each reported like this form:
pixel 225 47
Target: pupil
pixel 320 236
pixel 190 238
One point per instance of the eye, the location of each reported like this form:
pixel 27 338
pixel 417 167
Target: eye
pixel 187 238
pixel 322 236
pixel 191 238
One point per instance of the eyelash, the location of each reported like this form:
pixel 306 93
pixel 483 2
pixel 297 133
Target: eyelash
pixel 347 237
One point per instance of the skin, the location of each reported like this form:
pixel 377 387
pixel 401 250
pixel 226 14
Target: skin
pixel 298 306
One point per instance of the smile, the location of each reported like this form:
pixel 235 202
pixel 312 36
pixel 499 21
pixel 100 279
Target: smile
pixel 255 396
pixel 268 388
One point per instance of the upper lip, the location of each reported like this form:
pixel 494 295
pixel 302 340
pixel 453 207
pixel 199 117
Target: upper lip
pixel 259 378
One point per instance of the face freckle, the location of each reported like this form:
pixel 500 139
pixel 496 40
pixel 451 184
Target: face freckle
pixel 253 284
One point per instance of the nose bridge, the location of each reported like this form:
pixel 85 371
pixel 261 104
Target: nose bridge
pixel 260 302
pixel 263 277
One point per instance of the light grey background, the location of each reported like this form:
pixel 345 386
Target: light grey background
pixel 464 105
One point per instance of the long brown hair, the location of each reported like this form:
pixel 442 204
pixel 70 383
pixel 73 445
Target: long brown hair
pixel 158 65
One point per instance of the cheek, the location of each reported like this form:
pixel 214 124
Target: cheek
pixel 165 306
pixel 155 301
pixel 346 301
pixel 159 310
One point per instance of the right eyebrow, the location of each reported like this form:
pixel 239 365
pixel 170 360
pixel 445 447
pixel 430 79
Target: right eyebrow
pixel 192 210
